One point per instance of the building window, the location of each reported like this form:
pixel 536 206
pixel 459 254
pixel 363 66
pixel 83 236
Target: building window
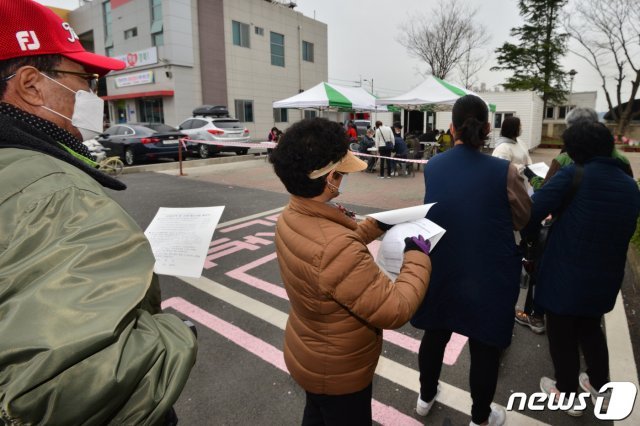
pixel 240 34
pixel 307 51
pixel 157 37
pixel 259 31
pixel 277 49
pixel 108 51
pixel 310 114
pixel 499 118
pixel 244 110
pixel 130 33
pixel 280 115
pixel 106 21
pixel 150 110
pixel 549 112
pixel 562 112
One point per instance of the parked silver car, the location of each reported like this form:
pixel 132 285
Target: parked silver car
pixel 213 123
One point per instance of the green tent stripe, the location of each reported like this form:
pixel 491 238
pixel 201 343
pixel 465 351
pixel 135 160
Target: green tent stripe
pixel 336 99
pixel 451 88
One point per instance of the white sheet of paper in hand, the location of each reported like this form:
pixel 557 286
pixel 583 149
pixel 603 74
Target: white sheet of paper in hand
pixel 539 169
pixel 394 217
pixel 391 252
pixel 180 239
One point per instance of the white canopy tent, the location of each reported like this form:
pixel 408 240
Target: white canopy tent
pixel 325 96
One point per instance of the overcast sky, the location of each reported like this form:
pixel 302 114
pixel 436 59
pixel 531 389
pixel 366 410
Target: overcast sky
pixel 363 42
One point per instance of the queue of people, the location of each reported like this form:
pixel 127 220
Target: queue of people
pixel 470 283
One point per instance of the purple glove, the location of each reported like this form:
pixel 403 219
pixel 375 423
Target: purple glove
pixel 417 243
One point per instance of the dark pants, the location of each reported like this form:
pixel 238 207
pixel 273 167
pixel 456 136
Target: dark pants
pixel 566 335
pixel 530 305
pixel 385 152
pixel 350 409
pixel 483 375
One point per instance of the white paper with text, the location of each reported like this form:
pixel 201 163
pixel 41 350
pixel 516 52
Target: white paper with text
pixel 391 252
pixel 180 239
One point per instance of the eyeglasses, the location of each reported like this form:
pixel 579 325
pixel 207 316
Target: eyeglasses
pixel 90 78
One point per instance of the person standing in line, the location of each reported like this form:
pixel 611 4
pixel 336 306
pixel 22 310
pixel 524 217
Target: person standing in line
pixel 509 148
pixel 582 267
pixel 84 339
pixel 563 159
pixel 384 141
pixel 340 299
pixel 400 150
pixel 480 200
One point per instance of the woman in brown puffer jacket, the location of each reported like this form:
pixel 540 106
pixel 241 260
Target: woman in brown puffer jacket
pixel 340 299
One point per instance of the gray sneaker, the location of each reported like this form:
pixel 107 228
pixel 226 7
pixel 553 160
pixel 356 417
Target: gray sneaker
pixel 548 386
pixel 585 384
pixel 497 417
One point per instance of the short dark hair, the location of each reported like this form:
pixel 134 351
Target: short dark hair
pixel 510 127
pixel 585 139
pixel 306 146
pixel 41 62
pixel 469 116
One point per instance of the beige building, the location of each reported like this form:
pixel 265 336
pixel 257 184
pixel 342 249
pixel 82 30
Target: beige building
pixel 553 124
pixel 181 54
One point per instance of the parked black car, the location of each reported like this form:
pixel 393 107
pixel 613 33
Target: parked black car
pixel 137 142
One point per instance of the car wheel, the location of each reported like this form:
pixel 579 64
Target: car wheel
pixel 129 158
pixel 242 151
pixel 203 150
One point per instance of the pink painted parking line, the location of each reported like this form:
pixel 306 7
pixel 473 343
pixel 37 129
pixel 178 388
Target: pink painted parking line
pixel 240 274
pixel 383 414
pixel 452 351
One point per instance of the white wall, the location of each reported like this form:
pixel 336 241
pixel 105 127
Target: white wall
pixel 251 76
pixel 525 105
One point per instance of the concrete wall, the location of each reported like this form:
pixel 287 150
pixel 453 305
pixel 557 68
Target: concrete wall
pixel 250 75
pixel 553 127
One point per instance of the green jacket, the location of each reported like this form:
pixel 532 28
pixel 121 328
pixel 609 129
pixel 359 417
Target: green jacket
pixel 82 339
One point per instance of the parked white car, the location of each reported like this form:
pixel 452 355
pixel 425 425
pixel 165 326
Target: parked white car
pixel 213 123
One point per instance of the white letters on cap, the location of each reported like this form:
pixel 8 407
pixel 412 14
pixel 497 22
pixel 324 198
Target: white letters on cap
pixel 28 40
pixel 72 34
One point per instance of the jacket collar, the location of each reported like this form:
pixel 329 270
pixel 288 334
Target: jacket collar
pixel 18 134
pixel 309 207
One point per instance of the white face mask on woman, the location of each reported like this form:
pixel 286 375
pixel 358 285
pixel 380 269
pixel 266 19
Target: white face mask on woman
pixel 87 112
pixel 340 188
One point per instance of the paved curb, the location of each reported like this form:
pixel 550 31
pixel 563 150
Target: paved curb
pixel 174 165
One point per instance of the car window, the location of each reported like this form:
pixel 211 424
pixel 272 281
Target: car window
pixel 142 130
pixel 196 124
pixel 113 130
pixel 228 124
pixel 126 131
pixel 161 128
pixel 187 124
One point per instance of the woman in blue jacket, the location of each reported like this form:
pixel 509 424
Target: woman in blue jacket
pixel 480 200
pixel 582 267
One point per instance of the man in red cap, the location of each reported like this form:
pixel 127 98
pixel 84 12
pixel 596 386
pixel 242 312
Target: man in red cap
pixel 82 337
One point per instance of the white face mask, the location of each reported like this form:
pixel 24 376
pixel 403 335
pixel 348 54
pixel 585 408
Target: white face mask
pixel 87 112
pixel 340 188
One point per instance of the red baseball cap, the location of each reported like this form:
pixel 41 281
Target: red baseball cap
pixel 30 29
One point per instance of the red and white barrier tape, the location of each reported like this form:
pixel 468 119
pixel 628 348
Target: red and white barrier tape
pixel 264 145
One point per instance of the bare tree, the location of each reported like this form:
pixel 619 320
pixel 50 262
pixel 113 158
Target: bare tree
pixel 444 37
pixel 468 68
pixel 607 33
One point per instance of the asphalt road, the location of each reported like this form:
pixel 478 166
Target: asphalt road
pixel 239 309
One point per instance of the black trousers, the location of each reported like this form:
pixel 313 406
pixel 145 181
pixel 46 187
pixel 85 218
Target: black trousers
pixel 483 375
pixel 385 152
pixel 567 334
pixel 353 409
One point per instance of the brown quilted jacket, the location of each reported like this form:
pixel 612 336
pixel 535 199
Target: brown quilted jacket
pixel 340 299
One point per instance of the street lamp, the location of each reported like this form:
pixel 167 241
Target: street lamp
pixel 370 81
pixel 572 75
